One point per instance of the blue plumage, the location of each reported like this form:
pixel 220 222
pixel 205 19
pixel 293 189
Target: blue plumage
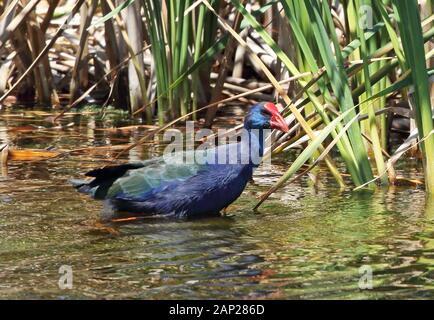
pixel 171 187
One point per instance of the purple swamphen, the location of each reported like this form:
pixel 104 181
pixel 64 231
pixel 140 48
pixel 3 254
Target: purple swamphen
pixel 173 187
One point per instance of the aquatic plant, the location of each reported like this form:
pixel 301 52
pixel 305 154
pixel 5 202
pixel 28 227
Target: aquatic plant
pixel 343 69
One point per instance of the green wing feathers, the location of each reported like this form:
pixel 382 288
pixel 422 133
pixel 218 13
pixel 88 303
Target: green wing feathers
pixel 153 173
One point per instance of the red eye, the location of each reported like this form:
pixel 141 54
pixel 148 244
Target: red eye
pixel 265 113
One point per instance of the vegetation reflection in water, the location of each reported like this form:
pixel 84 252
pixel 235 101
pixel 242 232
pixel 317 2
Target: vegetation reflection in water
pixel 306 242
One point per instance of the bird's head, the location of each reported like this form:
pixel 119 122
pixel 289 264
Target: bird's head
pixel 265 115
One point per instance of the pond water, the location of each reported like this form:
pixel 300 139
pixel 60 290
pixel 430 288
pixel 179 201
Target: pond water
pixel 306 242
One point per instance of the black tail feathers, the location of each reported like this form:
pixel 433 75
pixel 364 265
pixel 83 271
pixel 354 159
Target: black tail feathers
pixel 104 178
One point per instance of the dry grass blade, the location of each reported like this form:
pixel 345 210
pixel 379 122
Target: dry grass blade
pixel 4 152
pixel 49 15
pixel 137 65
pixel 45 50
pixel 7 14
pixel 42 72
pixel 408 145
pixel 88 91
pixel 77 76
pixel 226 64
pixel 31 155
pixel 20 18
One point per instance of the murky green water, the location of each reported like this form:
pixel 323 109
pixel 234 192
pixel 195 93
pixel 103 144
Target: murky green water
pixel 306 242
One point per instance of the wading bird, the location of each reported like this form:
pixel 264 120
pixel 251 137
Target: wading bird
pixel 172 188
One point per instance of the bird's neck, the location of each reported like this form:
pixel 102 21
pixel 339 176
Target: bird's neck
pixel 254 140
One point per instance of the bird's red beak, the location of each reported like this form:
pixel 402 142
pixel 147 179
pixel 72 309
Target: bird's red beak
pixel 277 121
